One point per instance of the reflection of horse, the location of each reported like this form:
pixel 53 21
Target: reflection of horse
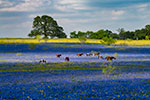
pixel 58 55
pixel 79 54
pixel 96 53
pixel 89 54
pixel 42 61
pixel 66 58
pixel 110 58
pixel 100 57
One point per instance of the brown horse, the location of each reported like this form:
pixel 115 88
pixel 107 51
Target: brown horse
pixel 100 57
pixel 110 58
pixel 58 55
pixel 66 58
pixel 96 53
pixel 89 54
pixel 79 54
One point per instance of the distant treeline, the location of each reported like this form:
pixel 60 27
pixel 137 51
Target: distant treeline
pixel 139 34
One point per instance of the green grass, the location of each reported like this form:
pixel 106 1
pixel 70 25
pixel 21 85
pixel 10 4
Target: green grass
pixel 57 66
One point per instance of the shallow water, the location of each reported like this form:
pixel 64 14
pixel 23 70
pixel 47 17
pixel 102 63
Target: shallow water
pixel 23 53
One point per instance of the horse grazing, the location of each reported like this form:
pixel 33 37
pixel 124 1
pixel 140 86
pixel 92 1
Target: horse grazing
pixel 96 53
pixel 58 55
pixel 100 57
pixel 79 54
pixel 66 58
pixel 110 58
pixel 42 61
pixel 89 54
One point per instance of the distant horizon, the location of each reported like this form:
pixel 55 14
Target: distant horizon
pixel 16 16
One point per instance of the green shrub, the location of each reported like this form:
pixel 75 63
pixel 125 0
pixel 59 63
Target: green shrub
pixel 82 39
pixel 108 41
pixel 32 46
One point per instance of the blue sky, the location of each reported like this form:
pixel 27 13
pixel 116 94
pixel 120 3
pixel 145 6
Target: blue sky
pixel 16 16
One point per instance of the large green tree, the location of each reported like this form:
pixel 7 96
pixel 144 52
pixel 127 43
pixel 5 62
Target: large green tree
pixel 99 34
pixel 47 27
pixel 114 36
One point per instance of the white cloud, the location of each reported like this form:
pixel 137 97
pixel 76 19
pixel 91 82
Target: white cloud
pixel 54 15
pixel 70 5
pixel 6 3
pixel 73 20
pixel 115 18
pixel 142 5
pixel 27 5
pixel 120 12
pixel 141 9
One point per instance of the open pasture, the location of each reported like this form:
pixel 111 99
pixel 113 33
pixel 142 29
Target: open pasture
pixel 83 77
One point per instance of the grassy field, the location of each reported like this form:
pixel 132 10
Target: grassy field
pixel 30 40
pixel 61 66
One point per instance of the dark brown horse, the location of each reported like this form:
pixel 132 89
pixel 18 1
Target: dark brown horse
pixel 79 54
pixel 42 61
pixel 58 55
pixel 67 59
pixel 110 58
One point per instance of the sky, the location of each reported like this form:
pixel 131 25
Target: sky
pixel 16 16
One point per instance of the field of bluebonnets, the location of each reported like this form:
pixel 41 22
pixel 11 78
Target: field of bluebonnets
pixel 82 78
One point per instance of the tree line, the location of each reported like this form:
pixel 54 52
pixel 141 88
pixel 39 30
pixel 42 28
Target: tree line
pixel 139 34
pixel 46 27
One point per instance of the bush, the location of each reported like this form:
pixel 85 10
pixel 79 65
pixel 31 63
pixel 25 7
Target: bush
pixel 32 46
pixel 108 41
pixel 82 39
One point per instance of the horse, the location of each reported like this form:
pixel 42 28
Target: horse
pixel 110 58
pixel 100 57
pixel 58 55
pixel 96 53
pixel 66 58
pixel 89 54
pixel 79 54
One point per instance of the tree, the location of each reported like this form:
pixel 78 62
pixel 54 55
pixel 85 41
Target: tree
pixel 129 35
pixel 141 34
pixel 109 32
pixel 89 33
pixel 46 26
pixel 73 34
pixel 114 36
pixel 99 34
pixel 147 28
pixel 136 34
pixel 121 33
pixel 81 34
